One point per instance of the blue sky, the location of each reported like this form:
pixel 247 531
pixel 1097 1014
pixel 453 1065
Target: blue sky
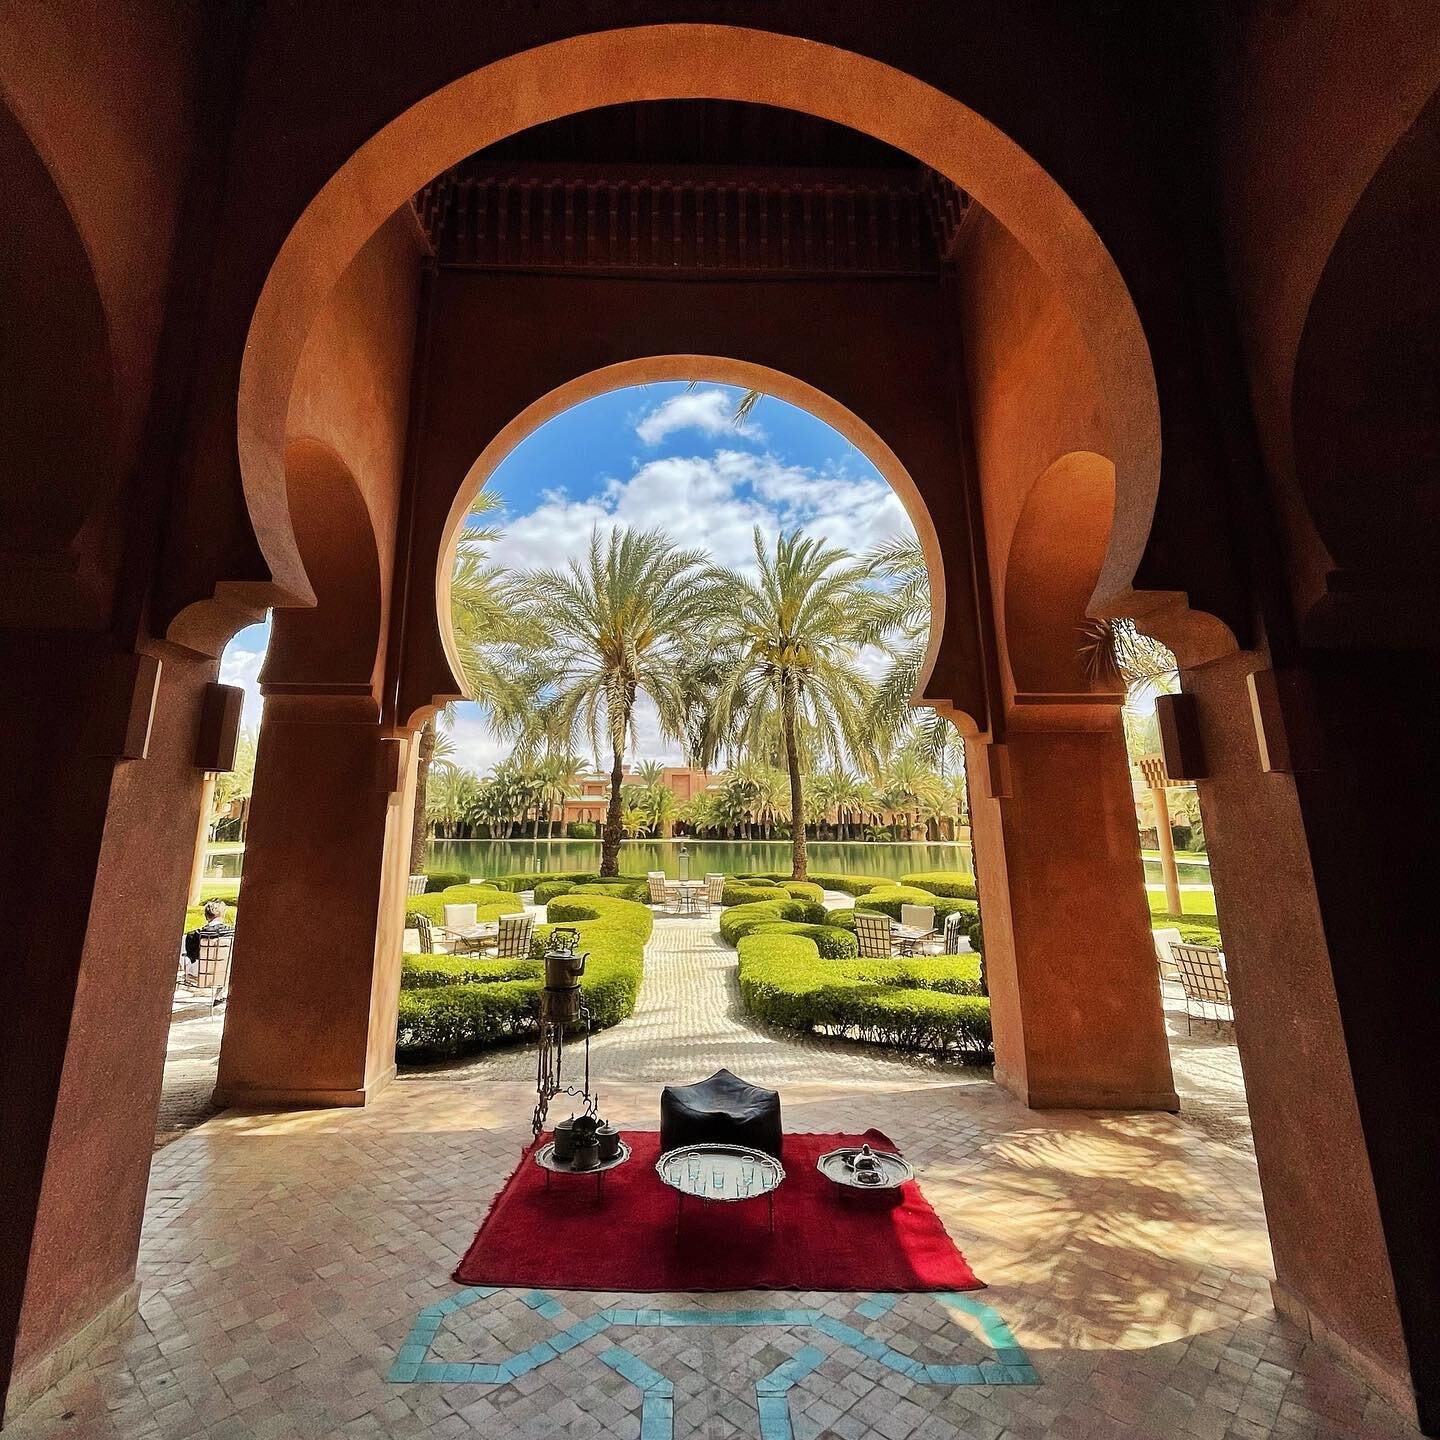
pixel 659 456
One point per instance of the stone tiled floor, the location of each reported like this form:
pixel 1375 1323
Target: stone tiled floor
pixel 287 1258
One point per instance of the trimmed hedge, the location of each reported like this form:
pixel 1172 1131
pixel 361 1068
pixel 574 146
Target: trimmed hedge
pixel 845 884
pixel 750 892
pixel 423 972
pixel 625 887
pixel 437 880
pixel 226 890
pixel 739 920
pixel 1193 929
pixel 456 1004
pixel 784 982
pixel 529 879
pixel 831 941
pixel 952 883
pixel 489 904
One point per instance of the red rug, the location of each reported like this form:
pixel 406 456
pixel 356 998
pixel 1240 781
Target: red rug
pixel 564 1239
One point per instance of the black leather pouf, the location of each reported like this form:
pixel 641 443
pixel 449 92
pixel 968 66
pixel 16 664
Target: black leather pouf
pixel 723 1110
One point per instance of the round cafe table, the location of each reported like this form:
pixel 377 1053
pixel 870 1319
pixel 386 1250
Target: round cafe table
pixel 686 894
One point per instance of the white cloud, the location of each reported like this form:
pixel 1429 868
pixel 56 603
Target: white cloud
pixel 711 412
pixel 240 665
pixel 711 503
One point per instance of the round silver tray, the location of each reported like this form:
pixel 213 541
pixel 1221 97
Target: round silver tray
pixel 838 1165
pixel 733 1163
pixel 545 1159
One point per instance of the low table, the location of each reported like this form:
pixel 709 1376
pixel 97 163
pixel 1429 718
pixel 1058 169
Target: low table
pixel 686 894
pixel 545 1159
pixel 722 1173
pixel 911 935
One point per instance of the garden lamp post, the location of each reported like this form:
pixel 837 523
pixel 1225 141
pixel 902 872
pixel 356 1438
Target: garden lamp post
pixel 684 858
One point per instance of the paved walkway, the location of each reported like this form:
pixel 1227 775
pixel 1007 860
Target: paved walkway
pixel 689 1021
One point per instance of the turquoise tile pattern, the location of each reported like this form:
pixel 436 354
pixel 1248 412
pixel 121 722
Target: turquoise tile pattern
pixel 1009 1364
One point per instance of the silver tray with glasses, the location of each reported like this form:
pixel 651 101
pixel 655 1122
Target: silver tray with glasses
pixel 888 1171
pixel 720 1172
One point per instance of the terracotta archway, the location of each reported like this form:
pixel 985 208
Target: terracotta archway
pixel 747 375
pixel 58 455
pixel 693 62
pixel 1055 555
pixel 1365 409
pixel 331 647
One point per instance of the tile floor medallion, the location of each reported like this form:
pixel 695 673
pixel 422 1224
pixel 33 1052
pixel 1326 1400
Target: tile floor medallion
pixel 295 1272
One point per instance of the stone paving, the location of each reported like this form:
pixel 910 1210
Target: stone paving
pixel 289 1263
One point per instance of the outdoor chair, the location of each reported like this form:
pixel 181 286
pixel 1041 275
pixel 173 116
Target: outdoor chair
pixel 957 942
pixel 1164 957
pixel 918 917
pixel 459 917
pixel 1207 988
pixel 513 941
pixel 417 884
pixel 211 971
pixel 873 937
pixel 434 939
pixel 659 895
pixel 714 891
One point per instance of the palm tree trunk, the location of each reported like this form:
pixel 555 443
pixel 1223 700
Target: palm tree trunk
pixel 419 830
pixel 610 845
pixel 798 870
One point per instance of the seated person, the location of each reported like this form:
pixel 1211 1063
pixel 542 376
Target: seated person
pixel 215 924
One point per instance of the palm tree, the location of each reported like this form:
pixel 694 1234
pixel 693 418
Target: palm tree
pixel 486 629
pixel 661 806
pixel 617 625
pixel 789 641
pixel 560 773
pixel 904 627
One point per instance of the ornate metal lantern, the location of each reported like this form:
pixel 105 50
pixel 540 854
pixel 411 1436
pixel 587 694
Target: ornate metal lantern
pixel 561 1006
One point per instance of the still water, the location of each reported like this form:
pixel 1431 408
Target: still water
pixel 501 857
pixel 735 857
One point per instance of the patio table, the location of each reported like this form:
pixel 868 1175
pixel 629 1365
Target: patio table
pixel 687 894
pixel 477 936
pixel 911 935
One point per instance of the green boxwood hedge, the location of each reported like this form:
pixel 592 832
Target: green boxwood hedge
pixel 1194 929
pixel 845 884
pixel 831 941
pixel 739 920
pixel 622 887
pixel 785 982
pixel 749 892
pixel 449 1005
pixel 437 880
pixel 953 883
pixel 529 879
pixel 489 904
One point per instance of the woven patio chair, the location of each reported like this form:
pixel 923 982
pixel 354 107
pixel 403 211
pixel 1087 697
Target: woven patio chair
pixel 714 891
pixel 513 941
pixel 873 937
pixel 957 941
pixel 1207 988
pixel 416 884
pixel 211 972
pixel 1164 957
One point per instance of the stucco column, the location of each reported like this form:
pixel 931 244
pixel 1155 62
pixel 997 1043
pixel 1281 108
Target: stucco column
pixel 202 839
pixel 1153 769
pixel 1329 940
pixel 315 973
pixel 96 833
pixel 1074 994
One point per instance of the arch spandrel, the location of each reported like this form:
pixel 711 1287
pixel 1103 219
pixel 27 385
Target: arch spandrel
pixel 699 61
